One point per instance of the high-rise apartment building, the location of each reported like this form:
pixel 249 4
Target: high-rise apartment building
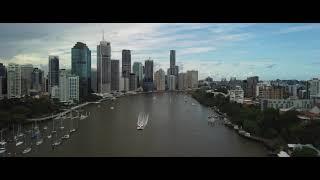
pixel 132 82
pixel 14 81
pixel 160 80
pixel 81 66
pixel 192 79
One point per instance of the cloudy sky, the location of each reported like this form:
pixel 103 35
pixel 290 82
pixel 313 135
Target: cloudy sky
pixel 271 51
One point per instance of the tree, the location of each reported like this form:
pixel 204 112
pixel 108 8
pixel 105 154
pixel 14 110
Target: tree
pixel 304 152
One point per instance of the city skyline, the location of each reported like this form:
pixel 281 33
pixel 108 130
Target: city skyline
pixel 270 51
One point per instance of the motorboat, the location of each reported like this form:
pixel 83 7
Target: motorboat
pixel 45 127
pixel 112 107
pixel 235 127
pixel 72 130
pixel 49 136
pixel 53 131
pixel 27 150
pixel 2 150
pixel 193 104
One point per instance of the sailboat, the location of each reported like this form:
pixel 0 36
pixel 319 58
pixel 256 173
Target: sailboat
pixel 57 141
pixel 84 116
pixel 61 126
pixel 39 139
pixel 2 142
pixel 72 128
pixel 16 138
pixel 20 134
pixel 27 149
pixel 53 130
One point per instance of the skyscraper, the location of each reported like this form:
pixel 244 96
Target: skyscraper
pixel 132 82
pixel 37 80
pixel 138 71
pixel 104 66
pixel 94 84
pixel 53 74
pixel 148 77
pixel 172 82
pixel 172 58
pixel 81 66
pixel 126 63
pixel 160 80
pixel 3 76
pixel 173 70
pixel 115 75
pixel 251 86
pixel 26 78
pixel 14 81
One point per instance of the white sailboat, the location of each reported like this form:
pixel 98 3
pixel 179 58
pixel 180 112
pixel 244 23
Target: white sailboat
pixel 20 134
pixel 16 138
pixel 84 116
pixel 57 142
pixel 2 142
pixel 72 129
pixel 61 124
pixel 39 138
pixel 53 130
pixel 27 149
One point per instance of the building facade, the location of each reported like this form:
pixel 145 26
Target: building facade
pixel 314 88
pixel 37 80
pixel 14 81
pixel 299 104
pixel 126 63
pixel 192 79
pixel 132 82
pixel 160 80
pixel 271 92
pixel 104 67
pixel 172 82
pixel 53 73
pixel 81 66
pixel 138 70
pixel 237 95
pixel 182 81
pixel 148 77
pixel 115 75
pixel 3 76
pixel 251 86
pixel 68 87
pixel 94 84
pixel 26 78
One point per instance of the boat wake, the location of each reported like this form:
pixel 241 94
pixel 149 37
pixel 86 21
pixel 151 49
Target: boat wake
pixel 142 120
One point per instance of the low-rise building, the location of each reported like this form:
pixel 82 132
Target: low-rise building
pixel 298 104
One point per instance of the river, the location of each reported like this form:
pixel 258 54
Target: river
pixel 175 128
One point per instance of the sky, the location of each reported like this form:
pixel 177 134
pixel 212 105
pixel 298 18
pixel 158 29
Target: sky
pixel 270 51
